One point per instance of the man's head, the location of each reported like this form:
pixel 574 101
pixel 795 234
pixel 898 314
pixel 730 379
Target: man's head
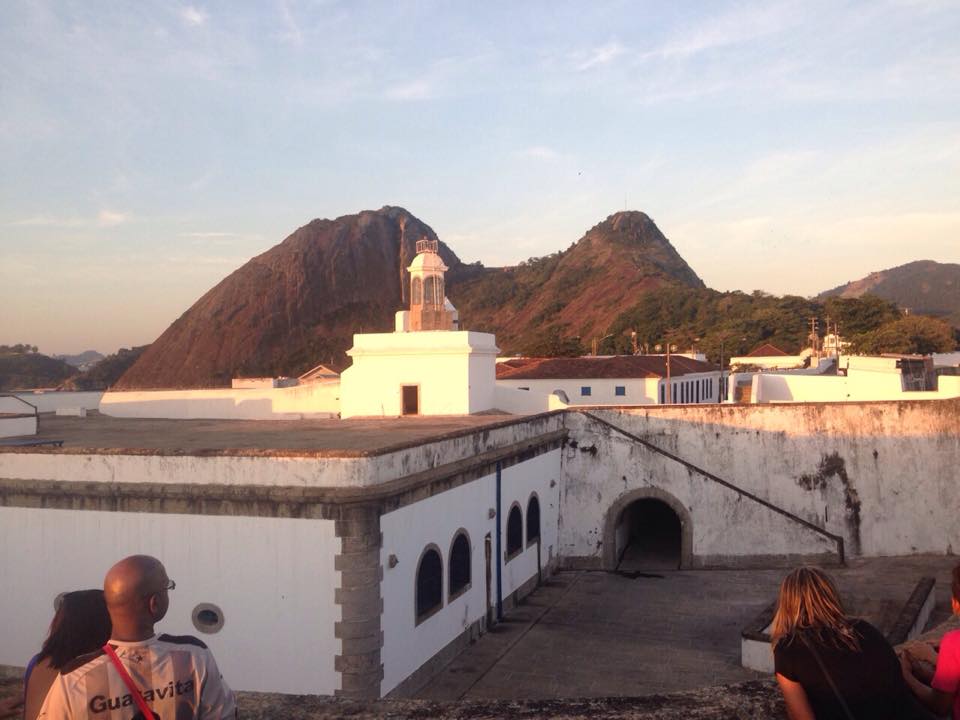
pixel 136 591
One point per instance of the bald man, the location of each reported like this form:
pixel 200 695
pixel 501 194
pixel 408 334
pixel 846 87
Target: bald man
pixel 175 677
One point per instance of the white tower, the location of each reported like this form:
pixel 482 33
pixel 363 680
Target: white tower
pixel 427 296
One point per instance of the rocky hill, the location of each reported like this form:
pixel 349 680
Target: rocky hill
pixel 300 302
pixel 294 306
pixel 923 287
pixel 32 370
pixel 576 292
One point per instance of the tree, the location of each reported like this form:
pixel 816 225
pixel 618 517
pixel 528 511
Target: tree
pixel 858 315
pixel 913 334
pixel 550 343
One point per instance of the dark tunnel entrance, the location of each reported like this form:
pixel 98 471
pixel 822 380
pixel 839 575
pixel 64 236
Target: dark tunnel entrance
pixel 648 537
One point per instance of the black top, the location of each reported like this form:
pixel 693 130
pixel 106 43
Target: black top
pixel 870 681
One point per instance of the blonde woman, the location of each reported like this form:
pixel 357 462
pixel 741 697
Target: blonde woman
pixel 829 665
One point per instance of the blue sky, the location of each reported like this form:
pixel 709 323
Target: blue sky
pixel 149 149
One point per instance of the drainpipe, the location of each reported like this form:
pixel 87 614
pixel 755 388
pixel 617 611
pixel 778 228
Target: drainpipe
pixel 499 550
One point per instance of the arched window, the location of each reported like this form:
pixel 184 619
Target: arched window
pixel 430 290
pixel 533 520
pixel 514 531
pixel 429 591
pixel 459 564
pixel 416 292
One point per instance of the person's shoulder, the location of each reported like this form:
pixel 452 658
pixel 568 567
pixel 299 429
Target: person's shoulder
pixel 866 630
pixel 950 641
pixel 82 663
pixel 182 640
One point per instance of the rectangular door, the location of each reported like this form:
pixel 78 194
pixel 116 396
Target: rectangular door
pixel 411 399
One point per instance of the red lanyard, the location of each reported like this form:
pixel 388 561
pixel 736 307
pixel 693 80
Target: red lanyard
pixel 128 681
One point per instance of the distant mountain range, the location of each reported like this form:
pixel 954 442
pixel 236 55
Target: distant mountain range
pixel 22 368
pixel 923 287
pixel 82 361
pixel 299 303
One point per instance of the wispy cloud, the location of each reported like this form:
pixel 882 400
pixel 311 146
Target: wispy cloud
pixel 109 218
pixel 204 235
pixel 597 57
pixel 292 33
pixel 193 16
pixel 541 152
pixel 105 218
pixel 416 90
pixel 743 24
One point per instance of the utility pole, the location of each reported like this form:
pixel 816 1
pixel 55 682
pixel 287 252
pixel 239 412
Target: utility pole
pixel 814 326
pixel 720 387
pixel 669 386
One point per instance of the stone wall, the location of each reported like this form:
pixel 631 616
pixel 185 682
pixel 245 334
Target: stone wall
pixel 881 474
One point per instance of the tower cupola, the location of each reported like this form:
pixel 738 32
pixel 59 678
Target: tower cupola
pixel 427 293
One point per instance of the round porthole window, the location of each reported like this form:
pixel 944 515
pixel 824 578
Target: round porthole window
pixel 207 618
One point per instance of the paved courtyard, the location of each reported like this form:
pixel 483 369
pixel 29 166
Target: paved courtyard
pixel 596 634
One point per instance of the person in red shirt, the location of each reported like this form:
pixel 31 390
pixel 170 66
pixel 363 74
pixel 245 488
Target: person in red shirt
pixel 941 695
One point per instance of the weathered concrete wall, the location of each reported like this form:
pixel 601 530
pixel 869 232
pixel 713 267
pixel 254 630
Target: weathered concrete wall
pixel 255 569
pixel 882 475
pixel 603 472
pixel 283 403
pixel 271 468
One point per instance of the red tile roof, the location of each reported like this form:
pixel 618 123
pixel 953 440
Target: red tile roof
pixel 766 350
pixel 585 368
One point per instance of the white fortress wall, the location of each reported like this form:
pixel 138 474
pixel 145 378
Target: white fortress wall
pixel 155 468
pixel 882 474
pixel 538 476
pixel 604 471
pixel 859 386
pixel 273 579
pixel 307 400
pixel 407 532
pixel 274 468
pixel 434 521
pixel 52 400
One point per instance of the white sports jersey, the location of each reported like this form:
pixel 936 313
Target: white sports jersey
pixel 177 677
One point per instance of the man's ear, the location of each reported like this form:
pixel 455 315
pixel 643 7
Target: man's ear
pixel 955 604
pixel 153 604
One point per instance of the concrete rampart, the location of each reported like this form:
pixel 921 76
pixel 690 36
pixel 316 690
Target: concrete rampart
pixel 882 475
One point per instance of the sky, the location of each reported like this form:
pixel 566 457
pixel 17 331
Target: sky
pixel 150 149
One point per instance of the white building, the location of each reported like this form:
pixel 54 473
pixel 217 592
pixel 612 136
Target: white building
pixel 770 357
pixel 615 380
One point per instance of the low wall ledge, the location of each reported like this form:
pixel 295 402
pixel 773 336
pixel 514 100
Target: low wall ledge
pixel 755 699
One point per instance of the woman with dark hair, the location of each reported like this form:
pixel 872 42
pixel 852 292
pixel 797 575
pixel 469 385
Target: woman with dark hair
pixel 829 665
pixel 941 692
pixel 81 625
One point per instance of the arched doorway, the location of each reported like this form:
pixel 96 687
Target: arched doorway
pixel 647 529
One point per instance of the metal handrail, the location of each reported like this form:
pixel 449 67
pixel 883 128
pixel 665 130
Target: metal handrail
pixel 838 539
